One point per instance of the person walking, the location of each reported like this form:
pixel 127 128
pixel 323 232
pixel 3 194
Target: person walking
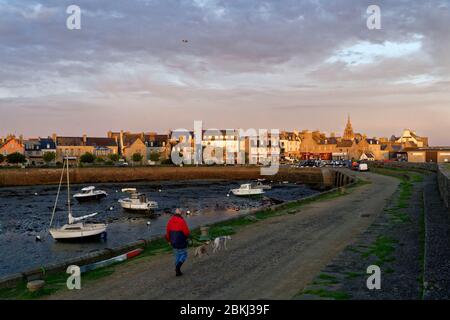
pixel 177 233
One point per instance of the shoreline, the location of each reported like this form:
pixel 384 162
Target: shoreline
pixel 50 176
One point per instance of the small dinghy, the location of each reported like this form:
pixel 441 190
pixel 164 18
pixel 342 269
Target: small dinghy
pixel 89 194
pixel 137 202
pixel 75 229
pixel 247 190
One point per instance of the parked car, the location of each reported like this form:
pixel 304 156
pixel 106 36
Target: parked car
pixel 363 167
pixel 122 164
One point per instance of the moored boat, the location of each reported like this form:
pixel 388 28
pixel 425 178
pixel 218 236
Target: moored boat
pixel 75 229
pixel 89 194
pixel 137 202
pixel 247 190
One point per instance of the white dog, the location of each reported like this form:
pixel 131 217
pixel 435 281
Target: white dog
pixel 202 250
pixel 220 243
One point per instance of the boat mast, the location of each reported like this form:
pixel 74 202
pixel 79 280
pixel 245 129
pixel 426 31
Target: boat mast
pixel 57 195
pixel 68 189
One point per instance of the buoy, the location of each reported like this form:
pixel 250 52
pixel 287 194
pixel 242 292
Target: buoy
pixel 149 223
pixel 188 212
pixel 228 194
pixel 35 193
pixel 111 208
pixel 159 190
pixel 38 238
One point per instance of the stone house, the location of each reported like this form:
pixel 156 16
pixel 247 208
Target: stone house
pixel 290 145
pixel 11 144
pixel 143 143
pixel 77 146
pixel 35 149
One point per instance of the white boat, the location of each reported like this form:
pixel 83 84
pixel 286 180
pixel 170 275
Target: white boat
pixel 137 202
pixel 89 193
pixel 78 230
pixel 75 229
pixel 247 190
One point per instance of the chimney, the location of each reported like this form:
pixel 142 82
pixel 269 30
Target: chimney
pixel 110 134
pixel 84 138
pixel 54 136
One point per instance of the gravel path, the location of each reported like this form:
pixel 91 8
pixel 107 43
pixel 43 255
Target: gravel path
pixel 274 258
pixel 392 243
pixel 410 243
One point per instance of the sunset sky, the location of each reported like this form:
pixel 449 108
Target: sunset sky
pixel 287 64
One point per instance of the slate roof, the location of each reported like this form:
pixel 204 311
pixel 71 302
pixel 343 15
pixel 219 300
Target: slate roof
pixel 90 142
pixel 344 144
pixel 47 144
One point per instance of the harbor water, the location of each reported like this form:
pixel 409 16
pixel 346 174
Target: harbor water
pixel 25 212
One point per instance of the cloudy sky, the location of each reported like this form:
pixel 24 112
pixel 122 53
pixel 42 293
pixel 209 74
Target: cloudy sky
pixel 288 64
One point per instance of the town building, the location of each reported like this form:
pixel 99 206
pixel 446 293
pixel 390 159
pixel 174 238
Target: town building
pixel 11 144
pixel 226 146
pixel 348 131
pixel 142 143
pixel 290 145
pixel 429 154
pixel 100 147
pixel 35 149
pixel 410 137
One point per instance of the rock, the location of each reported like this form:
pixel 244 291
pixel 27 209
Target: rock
pixel 35 285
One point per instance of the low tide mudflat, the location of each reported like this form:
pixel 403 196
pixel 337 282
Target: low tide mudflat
pixel 25 212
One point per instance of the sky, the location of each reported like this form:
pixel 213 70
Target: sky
pixel 280 64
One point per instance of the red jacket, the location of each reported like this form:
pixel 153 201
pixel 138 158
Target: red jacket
pixel 177 232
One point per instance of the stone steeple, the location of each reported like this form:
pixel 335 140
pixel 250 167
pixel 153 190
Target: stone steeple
pixel 348 132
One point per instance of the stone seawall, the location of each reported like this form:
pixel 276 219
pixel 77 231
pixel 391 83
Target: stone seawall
pixel 443 178
pixel 406 165
pixel 38 176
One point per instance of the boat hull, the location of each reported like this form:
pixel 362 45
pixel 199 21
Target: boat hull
pixel 138 208
pixel 94 197
pixel 90 231
pixel 247 193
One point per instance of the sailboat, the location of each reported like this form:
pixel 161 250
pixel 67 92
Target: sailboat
pixel 75 229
